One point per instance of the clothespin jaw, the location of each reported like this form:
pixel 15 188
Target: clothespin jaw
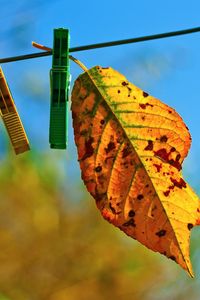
pixel 11 119
pixel 59 76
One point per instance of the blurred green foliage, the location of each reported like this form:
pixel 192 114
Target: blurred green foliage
pixel 52 248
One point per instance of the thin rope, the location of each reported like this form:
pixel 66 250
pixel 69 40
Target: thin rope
pixel 45 48
pixel 106 44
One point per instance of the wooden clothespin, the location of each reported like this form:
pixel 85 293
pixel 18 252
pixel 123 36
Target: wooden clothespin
pixel 11 118
pixel 59 81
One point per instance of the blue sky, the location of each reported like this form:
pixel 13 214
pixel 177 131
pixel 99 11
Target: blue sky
pixel 168 69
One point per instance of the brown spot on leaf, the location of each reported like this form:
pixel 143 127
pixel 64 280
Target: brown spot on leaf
pixel 119 91
pixel 102 122
pixel 74 115
pixel 172 257
pixel 110 147
pixel 131 213
pixel 140 197
pixel 180 184
pixel 164 155
pixel 143 106
pixel 99 196
pixel 190 226
pixel 83 96
pixel 178 156
pixel 108 158
pixel 126 151
pixel 98 169
pixel 154 208
pixel 84 132
pixel 163 139
pixel 175 164
pixel 112 209
pixel 89 150
pixel 161 233
pixel 131 222
pixel 171 187
pixel 166 193
pixel 158 167
pixel 149 146
pixel 124 83
pixel 145 94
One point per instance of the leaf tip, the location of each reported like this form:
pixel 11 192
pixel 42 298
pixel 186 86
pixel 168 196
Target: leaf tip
pixel 190 273
pixel 188 268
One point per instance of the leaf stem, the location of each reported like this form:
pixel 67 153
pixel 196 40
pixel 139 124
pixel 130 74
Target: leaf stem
pixel 78 62
pixel 41 47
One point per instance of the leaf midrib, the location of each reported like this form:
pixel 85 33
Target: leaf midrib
pixel 117 120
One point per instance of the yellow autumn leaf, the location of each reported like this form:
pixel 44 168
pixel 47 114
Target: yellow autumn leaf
pixel 130 148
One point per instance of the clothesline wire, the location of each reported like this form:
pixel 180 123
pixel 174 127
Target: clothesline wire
pixel 105 44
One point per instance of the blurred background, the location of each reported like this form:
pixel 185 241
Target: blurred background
pixel 54 245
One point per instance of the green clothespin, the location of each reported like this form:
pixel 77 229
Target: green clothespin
pixel 60 77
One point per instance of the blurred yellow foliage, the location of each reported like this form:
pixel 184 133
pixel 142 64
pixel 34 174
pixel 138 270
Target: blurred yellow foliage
pixel 54 249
